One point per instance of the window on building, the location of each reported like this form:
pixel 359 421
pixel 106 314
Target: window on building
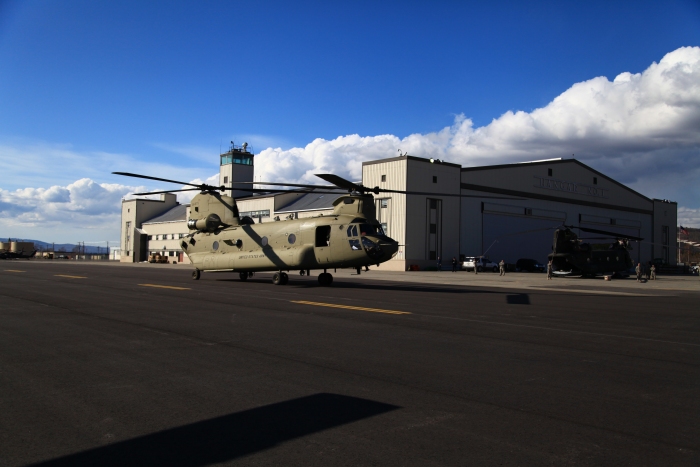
pixel 226 179
pixel 255 214
pixel 383 203
pixel 384 178
pixel 127 237
pixel 595 180
pixel 150 237
pixel 433 228
pixel 434 178
pixel 549 172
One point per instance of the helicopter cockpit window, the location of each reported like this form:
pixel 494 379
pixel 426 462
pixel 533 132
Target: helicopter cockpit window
pixel 348 201
pixel 215 246
pixel 369 229
pixel 352 231
pixel 291 239
pixel 354 244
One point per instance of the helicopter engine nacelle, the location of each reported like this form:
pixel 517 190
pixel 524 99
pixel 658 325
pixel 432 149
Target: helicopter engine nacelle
pixel 208 224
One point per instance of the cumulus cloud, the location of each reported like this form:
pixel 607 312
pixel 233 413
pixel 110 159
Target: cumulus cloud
pixel 83 201
pixel 69 213
pixel 642 129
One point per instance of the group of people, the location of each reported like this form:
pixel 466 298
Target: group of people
pixel 501 267
pixel 649 271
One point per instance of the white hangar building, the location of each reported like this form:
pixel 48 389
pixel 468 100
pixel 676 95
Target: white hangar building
pixel 509 211
pixel 512 209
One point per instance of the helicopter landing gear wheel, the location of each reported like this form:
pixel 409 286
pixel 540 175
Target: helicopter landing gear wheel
pixel 302 272
pixel 277 278
pixel 325 279
pixel 195 274
pixel 243 276
pixel 285 278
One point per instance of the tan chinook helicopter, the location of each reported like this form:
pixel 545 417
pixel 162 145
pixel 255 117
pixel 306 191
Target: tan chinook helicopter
pixel 222 241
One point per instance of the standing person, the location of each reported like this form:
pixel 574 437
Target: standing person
pixel 549 270
pixel 638 270
pixel 476 265
pixel 652 269
pixel 647 269
pixel 502 268
pixel 439 264
pixel 454 264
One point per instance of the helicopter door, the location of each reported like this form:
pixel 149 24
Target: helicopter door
pixel 322 245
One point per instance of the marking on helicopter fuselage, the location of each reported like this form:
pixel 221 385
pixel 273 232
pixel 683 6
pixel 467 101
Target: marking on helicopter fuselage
pixel 70 277
pixel 165 287
pixel 13 270
pixel 348 307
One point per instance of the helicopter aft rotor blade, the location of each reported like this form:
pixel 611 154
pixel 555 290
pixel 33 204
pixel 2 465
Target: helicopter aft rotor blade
pixel 128 174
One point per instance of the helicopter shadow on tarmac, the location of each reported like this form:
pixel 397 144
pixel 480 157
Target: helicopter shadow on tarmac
pixel 228 437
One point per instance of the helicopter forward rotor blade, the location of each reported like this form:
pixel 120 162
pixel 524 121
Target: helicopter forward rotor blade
pixel 128 174
pixel 606 232
pixel 300 185
pixel 166 191
pixel 342 183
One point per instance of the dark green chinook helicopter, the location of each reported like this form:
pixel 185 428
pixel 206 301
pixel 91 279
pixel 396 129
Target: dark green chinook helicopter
pixel 571 256
pixel 222 241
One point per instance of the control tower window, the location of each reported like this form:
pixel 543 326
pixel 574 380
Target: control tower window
pixel 236 158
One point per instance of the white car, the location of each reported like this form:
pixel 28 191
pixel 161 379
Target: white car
pixel 482 264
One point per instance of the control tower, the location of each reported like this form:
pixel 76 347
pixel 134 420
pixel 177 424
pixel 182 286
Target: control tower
pixel 236 165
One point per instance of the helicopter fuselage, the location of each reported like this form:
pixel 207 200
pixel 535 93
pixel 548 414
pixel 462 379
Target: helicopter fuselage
pixel 571 256
pixel 325 242
pixel 221 241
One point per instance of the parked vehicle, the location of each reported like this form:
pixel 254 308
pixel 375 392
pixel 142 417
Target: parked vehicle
pixel 482 263
pixel 529 265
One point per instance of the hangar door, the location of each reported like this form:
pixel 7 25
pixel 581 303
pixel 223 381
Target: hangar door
pixel 514 232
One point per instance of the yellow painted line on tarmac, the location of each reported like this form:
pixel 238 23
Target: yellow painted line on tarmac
pixel 70 277
pixel 13 270
pixel 348 307
pixel 165 287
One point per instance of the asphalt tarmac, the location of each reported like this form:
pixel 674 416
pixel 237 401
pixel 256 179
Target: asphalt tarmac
pixel 119 365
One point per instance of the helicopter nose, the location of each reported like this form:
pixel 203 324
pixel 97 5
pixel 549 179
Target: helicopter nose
pixel 390 249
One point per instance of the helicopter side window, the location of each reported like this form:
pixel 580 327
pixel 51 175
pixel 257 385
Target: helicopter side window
pixel 323 235
pixel 352 231
pixel 354 244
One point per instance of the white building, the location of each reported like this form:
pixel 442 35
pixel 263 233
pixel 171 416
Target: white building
pixel 504 211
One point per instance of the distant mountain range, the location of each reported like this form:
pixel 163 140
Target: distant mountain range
pixel 60 246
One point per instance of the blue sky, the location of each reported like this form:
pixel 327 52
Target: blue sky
pixel 157 87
